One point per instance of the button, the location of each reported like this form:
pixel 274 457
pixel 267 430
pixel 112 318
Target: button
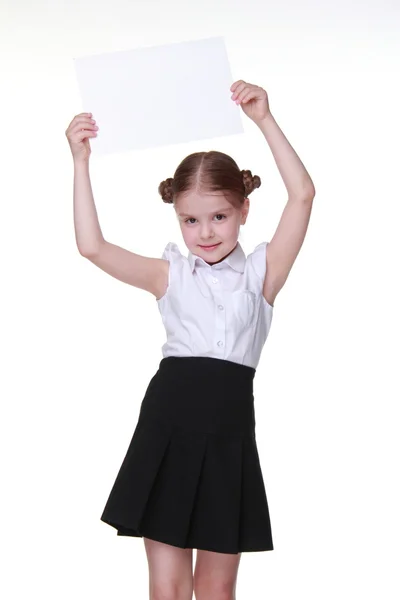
pixel 214 280
pixel 220 307
pixel 220 343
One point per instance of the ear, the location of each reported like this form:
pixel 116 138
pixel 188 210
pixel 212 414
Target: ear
pixel 245 211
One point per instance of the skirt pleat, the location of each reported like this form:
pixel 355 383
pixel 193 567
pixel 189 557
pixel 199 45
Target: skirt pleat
pixel 191 476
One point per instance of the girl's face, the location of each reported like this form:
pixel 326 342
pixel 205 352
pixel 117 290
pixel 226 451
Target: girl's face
pixel 210 220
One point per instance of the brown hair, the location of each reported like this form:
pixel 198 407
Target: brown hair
pixel 209 172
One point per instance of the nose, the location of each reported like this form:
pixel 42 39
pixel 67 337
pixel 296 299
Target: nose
pixel 206 231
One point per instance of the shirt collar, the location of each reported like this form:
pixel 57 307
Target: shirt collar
pixel 236 260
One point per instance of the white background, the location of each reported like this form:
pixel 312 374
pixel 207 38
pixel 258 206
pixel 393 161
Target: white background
pixel 78 347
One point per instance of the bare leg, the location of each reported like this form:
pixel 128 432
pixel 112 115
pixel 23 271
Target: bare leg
pixel 215 575
pixel 170 571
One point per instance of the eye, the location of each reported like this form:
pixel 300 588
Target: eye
pixel 191 220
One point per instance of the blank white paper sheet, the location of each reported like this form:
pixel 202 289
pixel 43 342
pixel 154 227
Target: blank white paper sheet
pixel 158 96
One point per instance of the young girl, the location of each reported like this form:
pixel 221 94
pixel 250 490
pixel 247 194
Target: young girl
pixel 191 477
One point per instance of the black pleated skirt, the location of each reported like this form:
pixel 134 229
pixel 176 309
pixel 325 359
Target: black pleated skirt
pixel 191 476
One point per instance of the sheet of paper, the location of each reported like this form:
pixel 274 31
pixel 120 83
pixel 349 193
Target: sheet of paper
pixel 158 96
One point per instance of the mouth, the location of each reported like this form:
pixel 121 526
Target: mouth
pixel 208 248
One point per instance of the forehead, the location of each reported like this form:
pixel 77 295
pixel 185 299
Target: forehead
pixel 202 204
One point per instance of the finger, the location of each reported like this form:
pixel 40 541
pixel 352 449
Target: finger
pixel 81 135
pixel 86 128
pixel 81 116
pixel 241 91
pixel 235 85
pixel 83 120
pixel 247 90
pixel 247 95
pixel 239 86
pixel 78 133
pixel 79 122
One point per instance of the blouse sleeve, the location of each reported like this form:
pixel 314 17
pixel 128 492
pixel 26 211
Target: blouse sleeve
pixel 258 260
pixel 173 255
pixel 171 252
pixel 258 265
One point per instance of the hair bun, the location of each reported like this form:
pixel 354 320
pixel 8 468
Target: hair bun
pixel 165 190
pixel 250 182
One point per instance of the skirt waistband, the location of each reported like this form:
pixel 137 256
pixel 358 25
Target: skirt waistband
pixel 201 394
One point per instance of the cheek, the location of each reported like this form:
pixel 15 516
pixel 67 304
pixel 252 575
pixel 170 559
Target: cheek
pixel 188 235
pixel 233 227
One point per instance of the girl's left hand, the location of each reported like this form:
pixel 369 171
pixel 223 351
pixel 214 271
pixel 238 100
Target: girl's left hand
pixel 252 99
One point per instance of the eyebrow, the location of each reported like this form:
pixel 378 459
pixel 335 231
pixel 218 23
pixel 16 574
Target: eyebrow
pixel 216 212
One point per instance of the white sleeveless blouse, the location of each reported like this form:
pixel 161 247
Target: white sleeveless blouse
pixel 216 311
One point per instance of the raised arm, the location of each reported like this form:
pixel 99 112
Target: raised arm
pixel 150 274
pixel 290 233
pixel 285 245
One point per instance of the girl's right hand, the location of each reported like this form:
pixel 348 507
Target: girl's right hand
pixel 81 128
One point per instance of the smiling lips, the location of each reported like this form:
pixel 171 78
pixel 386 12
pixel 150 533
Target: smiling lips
pixel 210 247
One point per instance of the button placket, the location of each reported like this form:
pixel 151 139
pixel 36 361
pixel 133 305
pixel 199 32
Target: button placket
pixel 220 325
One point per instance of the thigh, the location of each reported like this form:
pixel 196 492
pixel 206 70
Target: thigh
pixel 215 574
pixel 170 570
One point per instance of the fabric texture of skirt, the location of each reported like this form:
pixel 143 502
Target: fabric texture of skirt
pixel 191 476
